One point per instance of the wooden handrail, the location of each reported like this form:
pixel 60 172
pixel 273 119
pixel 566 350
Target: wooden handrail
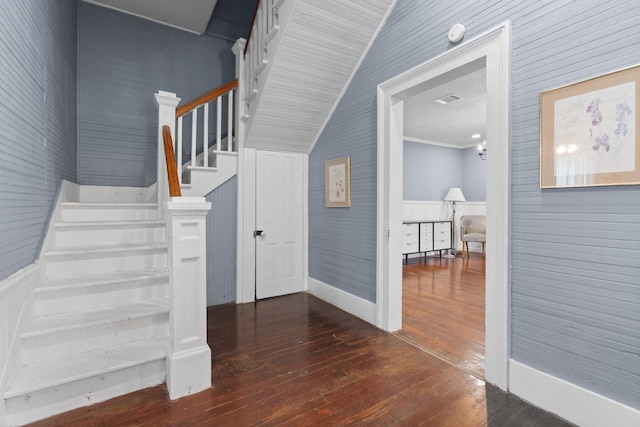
pixel 172 172
pixel 253 20
pixel 208 97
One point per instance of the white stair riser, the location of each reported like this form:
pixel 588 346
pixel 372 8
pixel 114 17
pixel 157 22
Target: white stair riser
pixel 54 400
pixel 98 296
pixel 72 214
pixel 62 343
pixel 70 266
pixel 66 237
pixel 202 182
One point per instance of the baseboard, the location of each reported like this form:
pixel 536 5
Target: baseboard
pixel 575 404
pixel 359 307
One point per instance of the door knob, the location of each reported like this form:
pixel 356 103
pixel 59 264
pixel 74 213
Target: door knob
pixel 257 233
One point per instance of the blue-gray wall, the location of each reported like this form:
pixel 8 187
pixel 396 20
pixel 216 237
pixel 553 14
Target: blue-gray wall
pixel 123 61
pixel 221 243
pixel 575 253
pixel 474 175
pixel 37 121
pixel 231 19
pixel 429 171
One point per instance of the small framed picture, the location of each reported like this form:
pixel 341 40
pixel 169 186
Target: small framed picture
pixel 337 178
pixel 589 132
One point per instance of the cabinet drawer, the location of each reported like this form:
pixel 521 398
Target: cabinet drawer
pixel 440 228
pixel 410 228
pixel 426 243
pixel 441 244
pixel 410 247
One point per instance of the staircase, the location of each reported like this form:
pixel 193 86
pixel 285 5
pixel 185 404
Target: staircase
pixel 101 317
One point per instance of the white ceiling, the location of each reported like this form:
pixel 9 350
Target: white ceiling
pixel 188 15
pixel 453 123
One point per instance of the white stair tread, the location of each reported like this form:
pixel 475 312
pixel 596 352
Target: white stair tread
pixel 107 205
pixel 103 279
pixel 202 168
pixel 106 249
pixel 81 319
pixel 110 224
pixel 34 377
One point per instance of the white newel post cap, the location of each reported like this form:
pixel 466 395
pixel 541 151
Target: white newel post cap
pixel 168 99
pixel 195 204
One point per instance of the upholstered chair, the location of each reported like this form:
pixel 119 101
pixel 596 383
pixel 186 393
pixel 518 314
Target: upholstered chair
pixel 473 228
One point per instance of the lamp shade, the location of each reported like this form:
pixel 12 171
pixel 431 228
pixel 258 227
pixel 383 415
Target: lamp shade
pixel 454 195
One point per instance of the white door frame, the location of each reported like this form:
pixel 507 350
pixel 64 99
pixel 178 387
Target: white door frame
pixel 494 46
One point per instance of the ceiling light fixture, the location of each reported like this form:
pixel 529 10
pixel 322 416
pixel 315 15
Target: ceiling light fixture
pixel 447 99
pixel 482 150
pixel 476 136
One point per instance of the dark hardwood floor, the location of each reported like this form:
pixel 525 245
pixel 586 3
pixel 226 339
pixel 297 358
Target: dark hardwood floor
pixel 443 302
pixel 298 361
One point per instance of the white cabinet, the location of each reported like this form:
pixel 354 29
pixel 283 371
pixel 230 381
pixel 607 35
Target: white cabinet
pixel 426 236
pixel 410 240
pixel 442 235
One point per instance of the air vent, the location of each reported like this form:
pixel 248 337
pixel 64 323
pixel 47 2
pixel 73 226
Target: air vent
pixel 447 99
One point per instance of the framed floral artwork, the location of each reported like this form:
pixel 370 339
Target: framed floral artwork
pixel 337 182
pixel 588 132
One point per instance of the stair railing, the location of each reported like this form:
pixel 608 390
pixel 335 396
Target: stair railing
pixel 172 172
pixel 190 111
pixel 268 20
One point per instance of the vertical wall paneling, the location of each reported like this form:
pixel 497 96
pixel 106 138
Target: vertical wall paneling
pixel 575 253
pixel 123 61
pixel 38 63
pixel 221 243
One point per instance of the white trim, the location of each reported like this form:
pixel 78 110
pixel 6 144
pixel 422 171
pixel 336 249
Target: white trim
pixel 246 261
pixel 575 404
pixel 359 307
pixel 355 70
pixel 494 45
pixel 305 222
pixel 439 144
pixel 146 18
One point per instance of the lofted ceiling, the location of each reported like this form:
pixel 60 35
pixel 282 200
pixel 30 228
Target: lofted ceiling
pixel 188 15
pixel 455 122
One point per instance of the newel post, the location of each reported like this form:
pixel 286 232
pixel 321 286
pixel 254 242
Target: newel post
pixel 189 356
pixel 167 103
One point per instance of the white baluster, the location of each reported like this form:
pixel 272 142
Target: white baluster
pixel 178 150
pixel 230 122
pixel 205 142
pixel 219 123
pixel 194 131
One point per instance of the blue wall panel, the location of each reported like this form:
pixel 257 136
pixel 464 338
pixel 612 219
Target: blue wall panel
pixel 429 171
pixel 575 253
pixel 474 175
pixel 38 121
pixel 123 61
pixel 221 243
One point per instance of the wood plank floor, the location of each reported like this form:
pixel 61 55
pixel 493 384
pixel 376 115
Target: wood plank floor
pixel 298 361
pixel 443 301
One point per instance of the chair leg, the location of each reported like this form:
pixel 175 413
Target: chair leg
pixel 482 248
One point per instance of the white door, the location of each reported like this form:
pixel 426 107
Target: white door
pixel 279 223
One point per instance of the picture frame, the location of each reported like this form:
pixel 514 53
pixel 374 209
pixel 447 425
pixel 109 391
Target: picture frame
pixel 337 182
pixel 589 132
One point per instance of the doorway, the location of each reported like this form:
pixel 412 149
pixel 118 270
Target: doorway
pixel 494 47
pixel 443 298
